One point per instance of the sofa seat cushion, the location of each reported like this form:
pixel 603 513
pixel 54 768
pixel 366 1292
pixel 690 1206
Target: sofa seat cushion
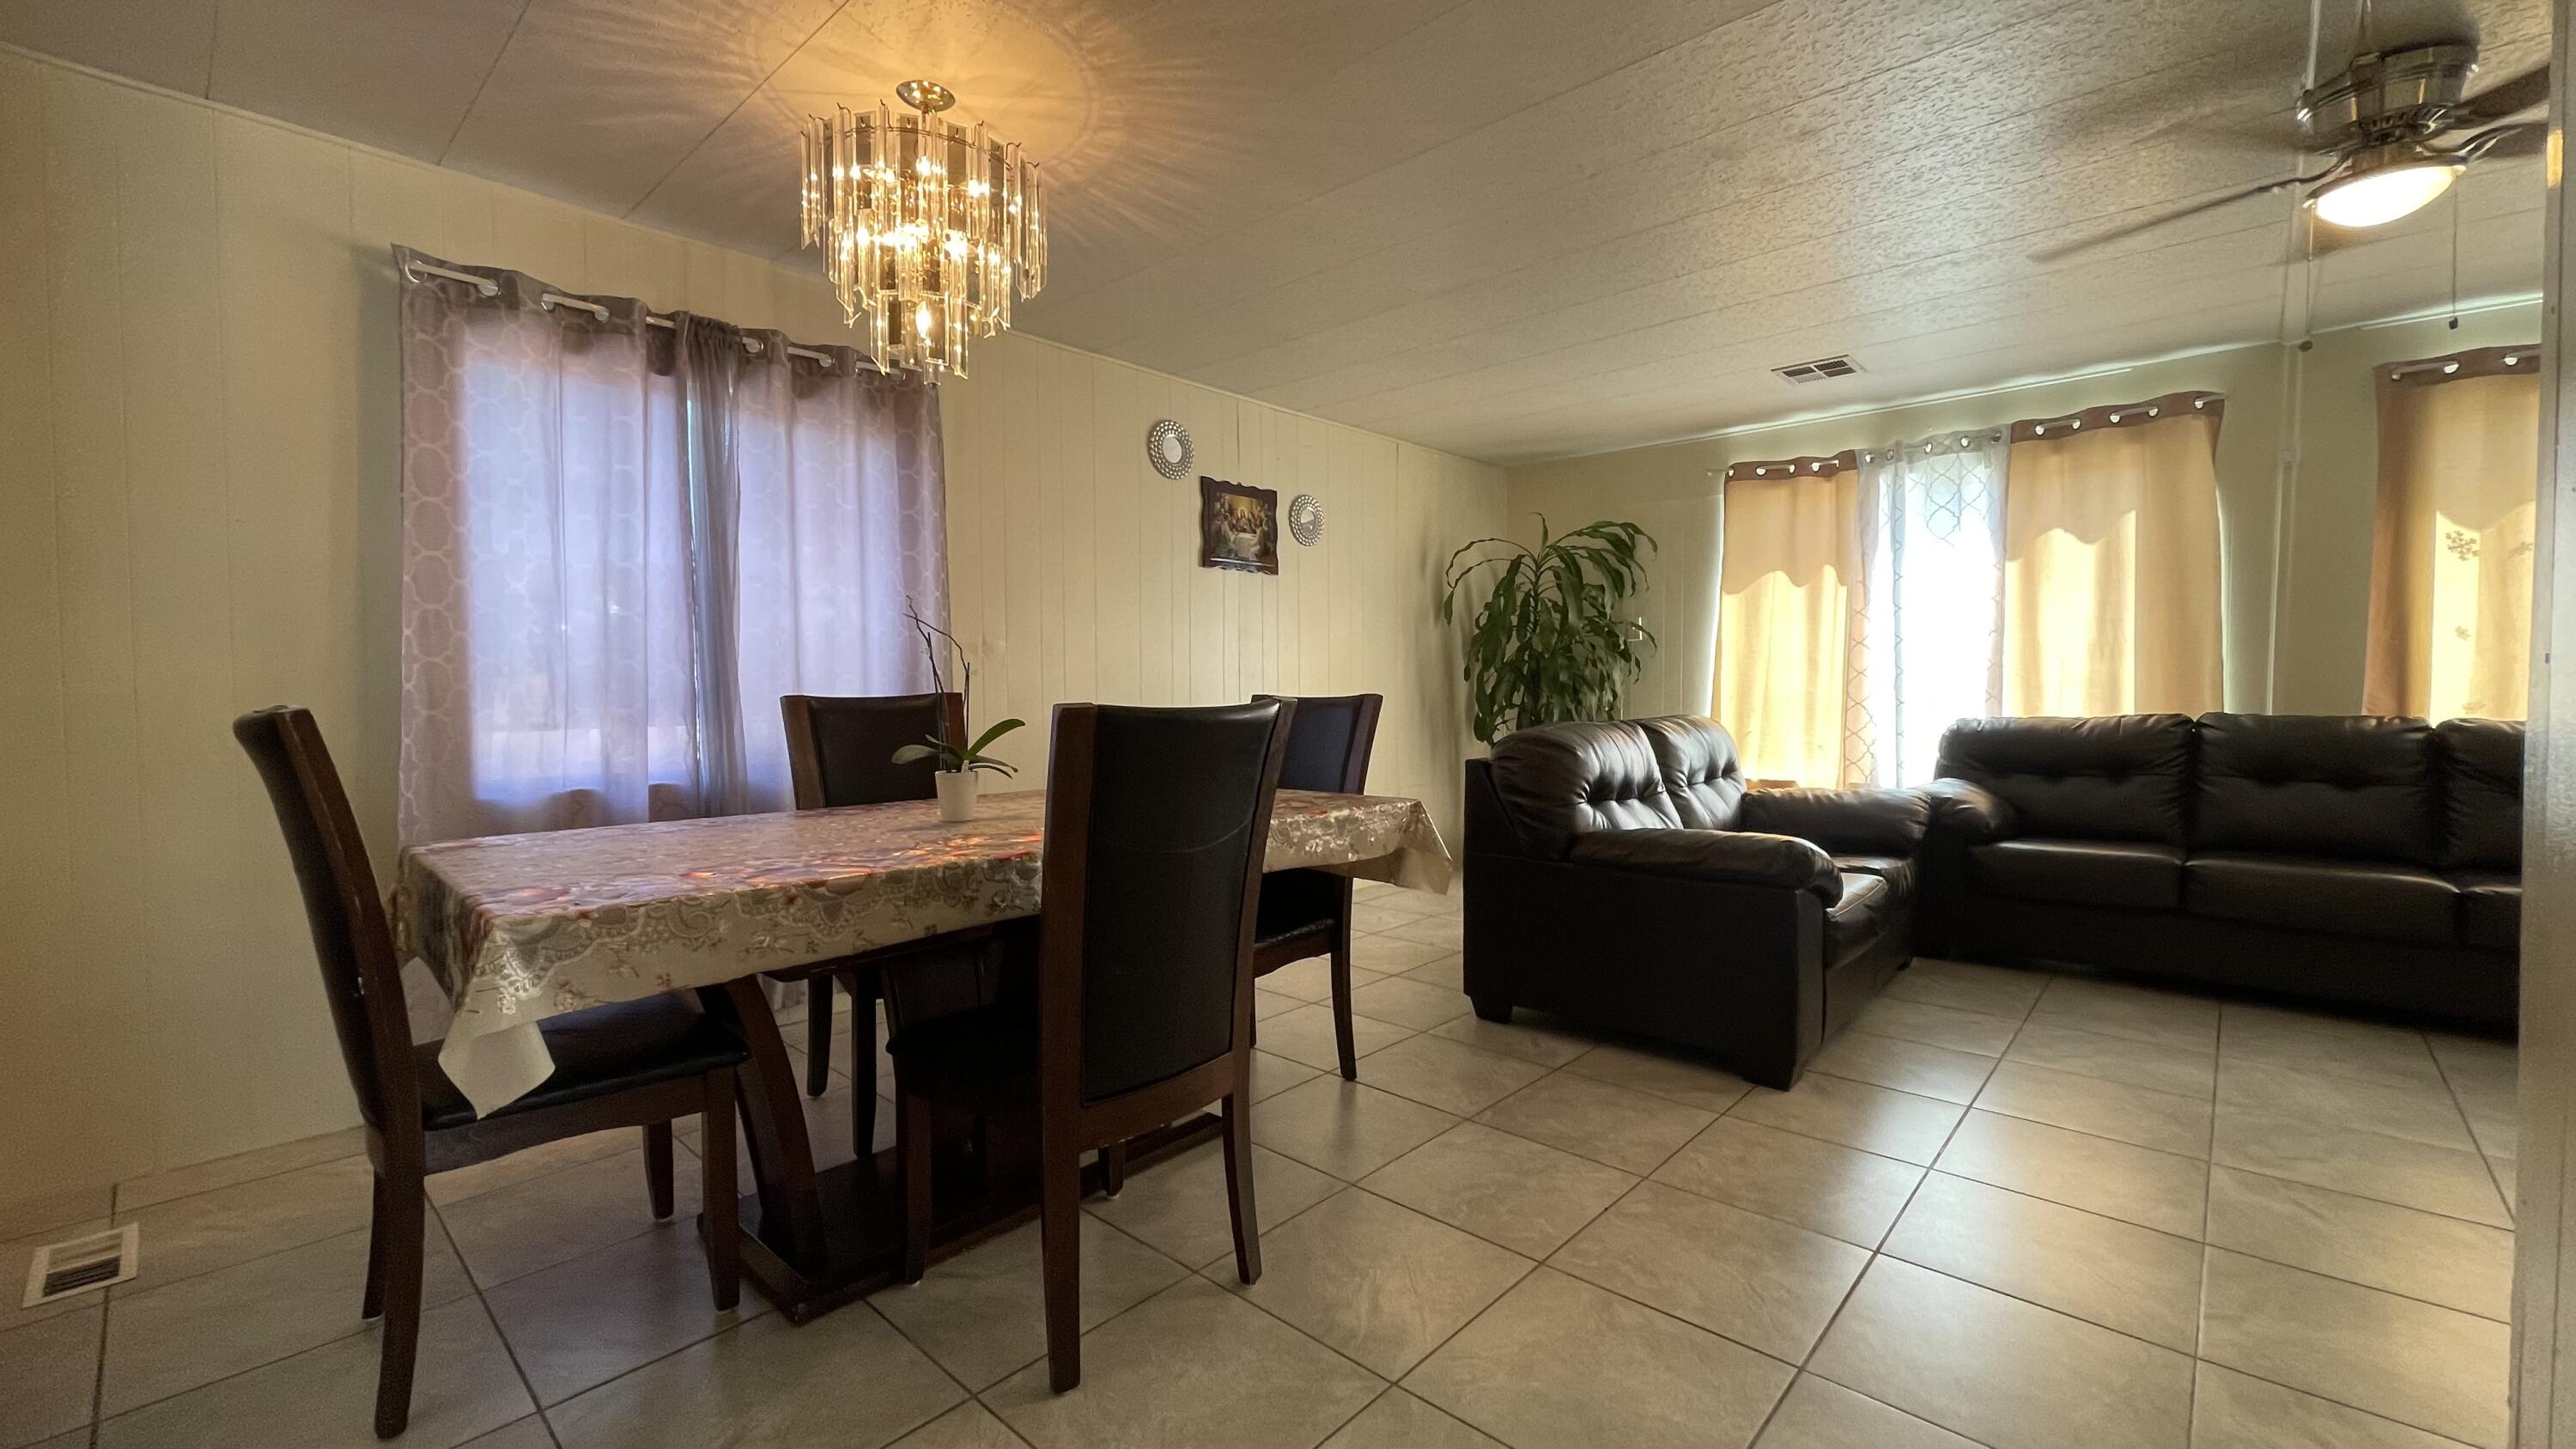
pixel 2490 908
pixel 1859 918
pixel 1896 870
pixel 2382 900
pixel 2087 872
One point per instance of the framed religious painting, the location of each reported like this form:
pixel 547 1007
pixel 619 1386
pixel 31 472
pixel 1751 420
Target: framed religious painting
pixel 1238 527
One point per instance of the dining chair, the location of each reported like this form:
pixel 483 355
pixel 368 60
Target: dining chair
pixel 1308 912
pixel 638 1063
pixel 1156 824
pixel 840 751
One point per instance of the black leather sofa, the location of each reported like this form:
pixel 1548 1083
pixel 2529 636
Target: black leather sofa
pixel 2359 859
pixel 1620 874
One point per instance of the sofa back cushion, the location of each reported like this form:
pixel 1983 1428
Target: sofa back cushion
pixel 2481 767
pixel 1563 780
pixel 2108 777
pixel 1701 773
pixel 2359 786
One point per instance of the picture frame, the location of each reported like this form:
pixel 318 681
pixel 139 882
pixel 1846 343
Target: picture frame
pixel 1238 527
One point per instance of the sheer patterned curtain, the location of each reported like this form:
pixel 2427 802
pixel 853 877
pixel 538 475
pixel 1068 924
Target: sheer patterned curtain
pixel 622 542
pixel 2450 587
pixel 1928 652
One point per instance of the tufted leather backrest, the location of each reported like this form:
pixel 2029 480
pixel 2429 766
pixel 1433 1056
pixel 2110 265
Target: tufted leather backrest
pixel 2305 784
pixel 2109 777
pixel 2481 764
pixel 841 750
pixel 1563 780
pixel 1702 776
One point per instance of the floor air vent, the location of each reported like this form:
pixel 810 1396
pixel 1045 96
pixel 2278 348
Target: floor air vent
pixel 60 1270
pixel 1819 369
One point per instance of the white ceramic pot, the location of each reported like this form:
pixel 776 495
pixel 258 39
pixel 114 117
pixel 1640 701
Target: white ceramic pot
pixel 956 795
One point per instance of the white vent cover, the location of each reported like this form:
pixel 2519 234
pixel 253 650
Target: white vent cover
pixel 83 1265
pixel 1819 369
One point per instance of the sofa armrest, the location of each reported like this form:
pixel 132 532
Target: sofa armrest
pixel 1968 810
pixel 1737 857
pixel 1865 821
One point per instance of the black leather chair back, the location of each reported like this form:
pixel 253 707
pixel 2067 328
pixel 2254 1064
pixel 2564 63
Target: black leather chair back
pixel 2106 777
pixel 2359 786
pixel 1559 781
pixel 2481 763
pixel 1157 823
pixel 351 940
pixel 1702 775
pixel 1329 741
pixel 841 750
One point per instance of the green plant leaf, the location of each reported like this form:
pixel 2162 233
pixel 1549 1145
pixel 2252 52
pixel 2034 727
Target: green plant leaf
pixel 1548 641
pixel 991 734
pixel 909 754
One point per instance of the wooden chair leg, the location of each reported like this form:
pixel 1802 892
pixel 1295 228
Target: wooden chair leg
pixel 401 1226
pixel 863 1069
pixel 912 1145
pixel 1060 1245
pixel 1342 1008
pixel 818 1036
pixel 657 1169
pixel 373 1304
pixel 718 1194
pixel 1113 1168
pixel 1238 1188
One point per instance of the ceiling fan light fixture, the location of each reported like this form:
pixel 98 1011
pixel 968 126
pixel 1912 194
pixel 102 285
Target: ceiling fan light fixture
pixel 2385 185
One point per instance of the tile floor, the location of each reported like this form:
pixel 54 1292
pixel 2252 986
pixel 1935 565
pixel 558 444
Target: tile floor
pixel 2009 1209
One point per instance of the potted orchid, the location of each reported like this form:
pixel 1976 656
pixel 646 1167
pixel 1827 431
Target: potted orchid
pixel 958 764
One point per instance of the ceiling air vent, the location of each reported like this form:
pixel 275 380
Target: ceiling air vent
pixel 1819 369
pixel 60 1270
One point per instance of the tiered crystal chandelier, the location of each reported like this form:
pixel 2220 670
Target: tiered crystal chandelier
pixel 926 226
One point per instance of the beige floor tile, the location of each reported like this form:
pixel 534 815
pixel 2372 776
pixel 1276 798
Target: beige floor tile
pixel 1312 979
pixel 28 1217
pixel 2462 1265
pixel 1398 1420
pixel 1757 1280
pixel 2232 1411
pixel 15 1257
pixel 514 1231
pixel 48 1373
pixel 171 1339
pixel 1381 915
pixel 1628 1130
pixel 1967 1031
pixel 2119 1275
pixel 142 1192
pixel 1306 1035
pixel 1822 1414
pixel 968 1426
pixel 2503 1169
pixel 528 1433
pixel 1386 955
pixel 448 1188
pixel 1376 1282
pixel 2185 1071
pixel 1406 1002
pixel 582 1323
pixel 1267 1004
pixel 228 1225
pixel 1546 1040
pixel 2134 1184
pixel 1525 1195
pixel 2363 1163
pixel 2420 1112
pixel 1449 971
pixel 982 1313
pixel 843 1379
pixel 1274 1075
pixel 2482 1075
pixel 1445 1074
pixel 2327 1045
pixel 1966 986
pixel 2006 1373
pixel 2119 1008
pixel 1179 1207
pixel 1839 1191
pixel 325 1398
pixel 1684 1076
pixel 1348 1129
pixel 1445 932
pixel 76 1439
pixel 1908 1066
pixel 1561 1364
pixel 1417 903
pixel 1190 1367
pixel 2161 1120
pixel 828 1128
pixel 2430 1367
pixel 1856 1114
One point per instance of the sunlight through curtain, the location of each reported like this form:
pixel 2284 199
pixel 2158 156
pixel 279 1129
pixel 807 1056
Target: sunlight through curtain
pixel 1790 562
pixel 1932 515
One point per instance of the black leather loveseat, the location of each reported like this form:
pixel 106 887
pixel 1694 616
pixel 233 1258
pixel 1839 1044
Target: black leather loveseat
pixel 1621 875
pixel 2360 859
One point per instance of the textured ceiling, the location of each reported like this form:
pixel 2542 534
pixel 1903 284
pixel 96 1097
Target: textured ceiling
pixel 1509 228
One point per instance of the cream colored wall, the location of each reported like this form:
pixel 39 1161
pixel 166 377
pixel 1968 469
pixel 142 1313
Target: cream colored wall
pixel 198 510
pixel 2296 475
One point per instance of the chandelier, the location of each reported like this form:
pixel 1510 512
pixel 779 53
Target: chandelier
pixel 926 227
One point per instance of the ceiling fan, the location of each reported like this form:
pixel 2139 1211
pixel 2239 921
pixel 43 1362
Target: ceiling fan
pixel 2395 127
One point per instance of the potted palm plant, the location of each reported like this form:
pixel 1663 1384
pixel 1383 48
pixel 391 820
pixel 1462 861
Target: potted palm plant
pixel 958 763
pixel 1552 640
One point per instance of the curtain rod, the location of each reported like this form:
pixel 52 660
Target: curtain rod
pixel 2514 358
pixel 489 288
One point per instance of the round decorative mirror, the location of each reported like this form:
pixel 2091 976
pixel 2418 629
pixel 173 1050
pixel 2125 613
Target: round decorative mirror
pixel 1167 446
pixel 1306 519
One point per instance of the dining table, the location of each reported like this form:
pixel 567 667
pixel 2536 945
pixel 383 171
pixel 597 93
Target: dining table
pixel 516 929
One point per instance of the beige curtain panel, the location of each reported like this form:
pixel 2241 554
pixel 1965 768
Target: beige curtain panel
pixel 1787 599
pixel 2111 575
pixel 2450 577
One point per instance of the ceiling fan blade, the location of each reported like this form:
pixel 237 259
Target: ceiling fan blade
pixel 2508 97
pixel 2527 138
pixel 2128 229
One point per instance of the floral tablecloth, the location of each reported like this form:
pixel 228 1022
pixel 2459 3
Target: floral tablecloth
pixel 518 928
